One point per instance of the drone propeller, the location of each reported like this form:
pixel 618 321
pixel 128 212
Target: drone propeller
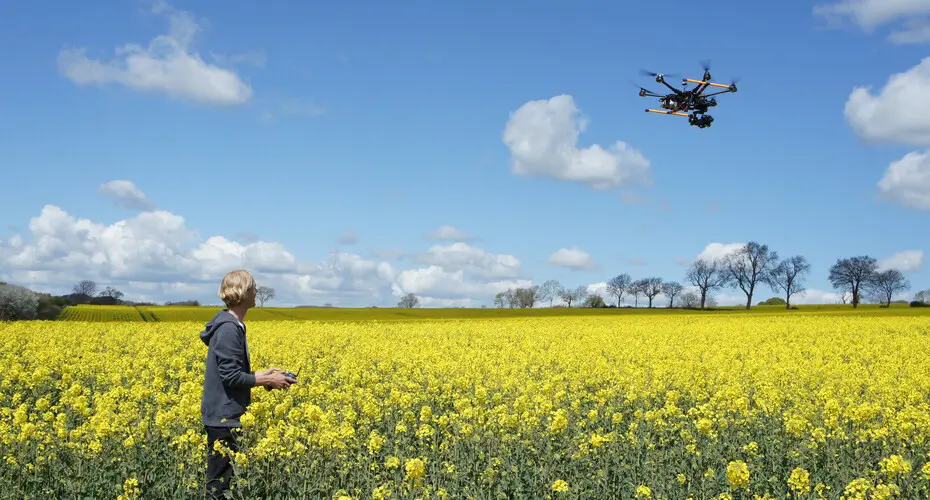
pixel 705 64
pixel 650 73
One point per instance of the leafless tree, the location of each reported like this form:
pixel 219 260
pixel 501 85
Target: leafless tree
pixel 887 283
pixel 706 275
pixel 749 266
pixel 671 289
pixel 85 287
pixel 510 296
pixel 618 285
pixel 579 294
pixel 573 295
pixel 113 293
pixel 550 290
pixel 264 293
pixel 652 286
pixel 922 296
pixel 526 297
pixel 408 301
pixel 636 288
pixel 690 299
pixel 788 276
pixel 852 274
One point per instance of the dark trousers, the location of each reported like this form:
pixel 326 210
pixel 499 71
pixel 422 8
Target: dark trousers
pixel 219 466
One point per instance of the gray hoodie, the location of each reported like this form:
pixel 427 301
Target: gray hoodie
pixel 229 379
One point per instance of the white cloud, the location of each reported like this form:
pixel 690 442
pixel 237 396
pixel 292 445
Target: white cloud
pixel 449 233
pixel 899 113
pixel 908 261
pixel 154 256
pixel 542 137
pixel 167 66
pixel 572 258
pixel 717 251
pixel 348 238
pixel 125 194
pixel 907 181
pixel 461 256
pixel 870 14
pixel 436 282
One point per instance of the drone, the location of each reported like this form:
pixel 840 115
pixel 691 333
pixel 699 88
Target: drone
pixel 691 103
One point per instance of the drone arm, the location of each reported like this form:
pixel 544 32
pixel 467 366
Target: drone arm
pixel 659 111
pixel 677 91
pixel 712 84
pixel 649 93
pixel 718 93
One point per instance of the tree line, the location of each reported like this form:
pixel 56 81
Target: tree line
pixel 21 303
pixel 748 269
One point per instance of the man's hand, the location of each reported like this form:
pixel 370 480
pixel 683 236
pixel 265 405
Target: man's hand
pixel 272 378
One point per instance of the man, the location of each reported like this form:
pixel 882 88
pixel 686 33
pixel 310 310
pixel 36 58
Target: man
pixel 229 378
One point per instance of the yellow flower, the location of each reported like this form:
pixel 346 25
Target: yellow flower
pixel 560 486
pixel 800 480
pixel 738 474
pixel 643 491
pixel 894 466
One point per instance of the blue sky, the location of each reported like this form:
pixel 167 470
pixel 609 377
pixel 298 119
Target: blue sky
pixel 280 129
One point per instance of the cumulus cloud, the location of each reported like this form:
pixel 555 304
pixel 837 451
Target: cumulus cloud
pixel 572 258
pixel 908 261
pixel 125 194
pixel 155 256
pixel 899 113
pixel 907 181
pixel 717 251
pixel 474 260
pixel 448 233
pixel 542 137
pixel 167 66
pixel 870 14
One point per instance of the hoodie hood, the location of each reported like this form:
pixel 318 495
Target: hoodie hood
pixel 221 317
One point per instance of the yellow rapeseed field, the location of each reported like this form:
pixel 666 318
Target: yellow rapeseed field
pixel 636 406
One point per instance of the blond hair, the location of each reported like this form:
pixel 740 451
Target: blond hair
pixel 236 287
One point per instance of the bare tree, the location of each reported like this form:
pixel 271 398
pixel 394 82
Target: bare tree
pixel 113 293
pixel 651 287
pixel 550 290
pixel 573 295
pixel 510 296
pixel 579 294
pixel 86 288
pixel 526 297
pixel 749 266
pixel 635 288
pixel 408 301
pixel 922 296
pixel 706 276
pixel 671 289
pixel 264 293
pixel 852 273
pixel 690 299
pixel 788 276
pixel 887 283
pixel 618 285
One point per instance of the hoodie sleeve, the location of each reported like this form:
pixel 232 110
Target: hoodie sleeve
pixel 230 351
